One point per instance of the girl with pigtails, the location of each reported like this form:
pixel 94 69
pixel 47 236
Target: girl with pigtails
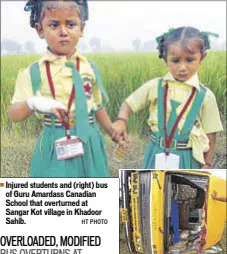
pixel 66 88
pixel 183 113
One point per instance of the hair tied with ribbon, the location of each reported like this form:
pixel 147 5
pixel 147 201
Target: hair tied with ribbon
pixel 29 5
pixel 160 41
pixel 206 38
pixel 210 34
pixel 162 37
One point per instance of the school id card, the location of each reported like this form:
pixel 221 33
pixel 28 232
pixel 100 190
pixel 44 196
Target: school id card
pixel 164 161
pixel 69 148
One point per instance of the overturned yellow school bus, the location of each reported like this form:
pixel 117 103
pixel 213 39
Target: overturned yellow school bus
pixel 171 211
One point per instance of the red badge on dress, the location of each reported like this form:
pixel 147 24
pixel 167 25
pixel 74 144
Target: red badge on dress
pixel 88 87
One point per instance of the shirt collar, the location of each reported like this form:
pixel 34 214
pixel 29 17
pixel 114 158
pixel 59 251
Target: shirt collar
pixel 193 81
pixel 51 57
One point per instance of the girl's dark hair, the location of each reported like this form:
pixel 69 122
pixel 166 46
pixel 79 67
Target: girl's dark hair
pixel 183 35
pixel 36 7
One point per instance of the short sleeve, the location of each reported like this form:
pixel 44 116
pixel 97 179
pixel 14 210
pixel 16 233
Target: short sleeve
pixel 210 117
pixel 97 95
pixel 143 95
pixel 23 87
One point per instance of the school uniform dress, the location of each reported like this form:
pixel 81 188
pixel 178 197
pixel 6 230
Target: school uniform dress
pixel 201 117
pixel 64 75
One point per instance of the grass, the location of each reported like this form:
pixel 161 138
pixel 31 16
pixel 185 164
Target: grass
pixel 224 240
pixel 122 74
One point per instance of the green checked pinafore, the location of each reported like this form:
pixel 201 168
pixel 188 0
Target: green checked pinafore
pixel 94 161
pixel 186 159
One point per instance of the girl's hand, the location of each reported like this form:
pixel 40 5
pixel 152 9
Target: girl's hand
pixel 118 130
pixel 59 113
pixel 214 194
pixel 206 166
pixel 46 105
pixel 126 141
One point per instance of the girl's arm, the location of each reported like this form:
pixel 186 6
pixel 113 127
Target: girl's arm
pixel 209 155
pixel 19 111
pixel 104 120
pixel 120 126
pixel 214 196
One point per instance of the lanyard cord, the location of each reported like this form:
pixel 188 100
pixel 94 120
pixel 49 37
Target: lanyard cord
pixel 65 122
pixel 168 140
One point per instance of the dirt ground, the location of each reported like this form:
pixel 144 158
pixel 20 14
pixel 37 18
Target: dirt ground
pixel 133 162
pixel 134 156
pixel 16 153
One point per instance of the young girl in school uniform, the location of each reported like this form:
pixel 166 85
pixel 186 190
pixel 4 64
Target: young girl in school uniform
pixel 67 89
pixel 183 113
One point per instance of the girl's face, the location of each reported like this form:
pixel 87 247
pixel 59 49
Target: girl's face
pixel 182 62
pixel 61 27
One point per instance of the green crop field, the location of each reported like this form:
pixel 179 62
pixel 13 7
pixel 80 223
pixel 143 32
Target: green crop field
pixel 121 73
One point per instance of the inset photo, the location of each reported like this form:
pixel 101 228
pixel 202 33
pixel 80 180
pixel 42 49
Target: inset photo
pixel 172 211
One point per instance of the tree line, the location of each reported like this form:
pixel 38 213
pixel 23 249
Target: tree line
pixel 12 47
pixel 93 45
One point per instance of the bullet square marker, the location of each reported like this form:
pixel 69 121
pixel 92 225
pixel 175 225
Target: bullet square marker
pixel 1 184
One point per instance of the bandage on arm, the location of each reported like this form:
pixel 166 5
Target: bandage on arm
pixel 19 111
pixel 44 105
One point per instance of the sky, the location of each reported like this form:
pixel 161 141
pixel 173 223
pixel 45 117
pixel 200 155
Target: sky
pixel 218 172
pixel 117 23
